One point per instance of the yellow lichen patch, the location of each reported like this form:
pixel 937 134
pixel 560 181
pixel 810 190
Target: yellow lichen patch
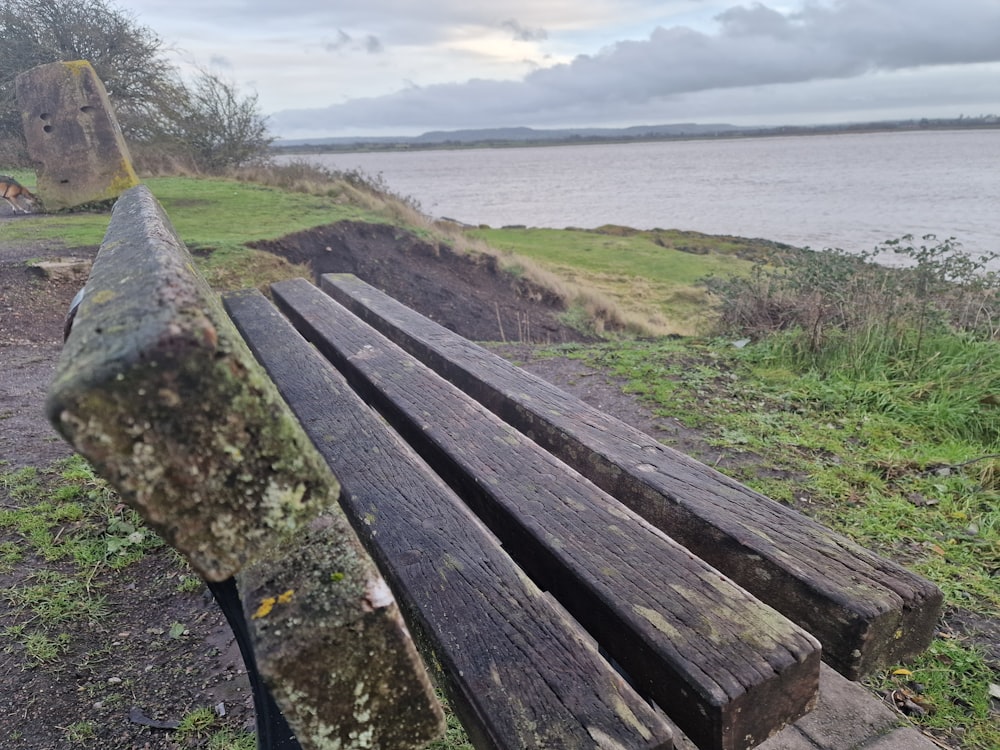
pixel 658 621
pixel 102 297
pixel 265 608
pixel 267 604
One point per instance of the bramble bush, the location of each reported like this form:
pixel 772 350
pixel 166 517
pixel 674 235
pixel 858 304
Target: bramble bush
pixel 921 339
pixel 838 305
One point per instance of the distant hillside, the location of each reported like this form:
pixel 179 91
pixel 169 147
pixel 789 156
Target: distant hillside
pixel 498 137
pixel 513 135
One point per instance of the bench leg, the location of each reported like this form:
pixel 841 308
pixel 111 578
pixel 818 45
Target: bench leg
pixel 273 732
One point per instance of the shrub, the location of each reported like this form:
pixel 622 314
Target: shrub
pixel 919 341
pixel 834 301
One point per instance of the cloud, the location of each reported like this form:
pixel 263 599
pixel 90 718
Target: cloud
pixel 750 46
pixel 344 41
pixel 524 34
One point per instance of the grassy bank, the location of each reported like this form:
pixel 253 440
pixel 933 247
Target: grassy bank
pixel 612 278
pixel 217 218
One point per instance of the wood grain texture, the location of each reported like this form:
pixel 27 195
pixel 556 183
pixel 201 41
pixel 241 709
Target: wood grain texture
pixel 866 610
pixel 519 672
pixel 158 390
pixel 700 646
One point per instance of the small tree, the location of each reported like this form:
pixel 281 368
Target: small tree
pixel 209 125
pixel 127 56
pixel 221 128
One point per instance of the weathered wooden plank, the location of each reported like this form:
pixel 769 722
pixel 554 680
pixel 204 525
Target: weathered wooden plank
pixel 158 390
pixel 519 672
pixel 697 644
pixel 866 610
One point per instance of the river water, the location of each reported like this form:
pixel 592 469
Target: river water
pixel 850 191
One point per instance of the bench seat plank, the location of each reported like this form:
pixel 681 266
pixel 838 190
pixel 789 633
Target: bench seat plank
pixel 697 644
pixel 866 610
pixel 519 672
pixel 157 389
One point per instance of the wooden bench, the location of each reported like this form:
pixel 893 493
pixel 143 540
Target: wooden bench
pixel 552 614
pixel 867 611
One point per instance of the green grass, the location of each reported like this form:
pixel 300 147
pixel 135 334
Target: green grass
pixel 207 212
pixel 644 272
pixel 196 723
pixel 67 513
pixel 64 528
pixel 80 732
pixel 951 685
pixel 922 491
pixel 225 214
pixel 216 219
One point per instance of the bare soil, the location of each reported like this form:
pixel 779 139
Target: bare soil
pixel 129 660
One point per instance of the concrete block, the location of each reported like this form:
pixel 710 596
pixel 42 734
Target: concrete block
pixel 847 715
pixel 73 135
pixel 904 738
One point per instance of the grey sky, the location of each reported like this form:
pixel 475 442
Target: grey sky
pixel 389 66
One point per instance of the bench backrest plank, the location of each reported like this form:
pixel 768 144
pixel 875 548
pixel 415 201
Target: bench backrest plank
pixel 697 644
pixel 866 610
pixel 519 672
pixel 157 389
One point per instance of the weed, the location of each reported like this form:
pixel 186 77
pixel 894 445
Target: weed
pixel 80 733
pixel 42 648
pixel 190 584
pixel 846 311
pixel 126 540
pixel 226 739
pixel 196 723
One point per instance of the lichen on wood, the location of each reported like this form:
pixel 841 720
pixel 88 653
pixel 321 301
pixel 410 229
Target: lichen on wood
pixel 158 390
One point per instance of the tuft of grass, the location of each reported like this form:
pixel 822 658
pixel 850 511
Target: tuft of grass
pixel 40 648
pixel 62 526
pixel 196 724
pixel 226 739
pixel 947 691
pixel 55 598
pixel 80 732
